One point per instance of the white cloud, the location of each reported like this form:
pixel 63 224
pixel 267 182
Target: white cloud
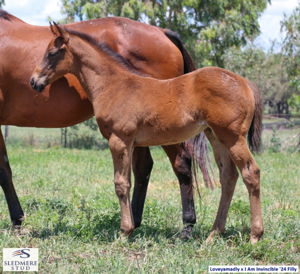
pixel 270 21
pixel 34 12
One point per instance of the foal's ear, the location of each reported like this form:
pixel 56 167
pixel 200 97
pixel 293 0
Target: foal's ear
pixel 62 36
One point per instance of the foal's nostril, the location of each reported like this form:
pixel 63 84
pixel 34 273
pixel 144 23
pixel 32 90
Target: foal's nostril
pixel 40 88
pixel 36 86
pixel 32 83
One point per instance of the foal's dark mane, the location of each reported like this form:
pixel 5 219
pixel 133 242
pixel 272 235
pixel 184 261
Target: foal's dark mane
pixel 106 49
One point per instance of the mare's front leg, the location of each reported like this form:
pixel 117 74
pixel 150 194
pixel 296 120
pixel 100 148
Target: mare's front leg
pixel 180 159
pixel 122 154
pixel 15 210
pixel 181 163
pixel 142 165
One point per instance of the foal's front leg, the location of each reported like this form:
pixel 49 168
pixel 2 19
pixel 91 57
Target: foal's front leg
pixel 122 154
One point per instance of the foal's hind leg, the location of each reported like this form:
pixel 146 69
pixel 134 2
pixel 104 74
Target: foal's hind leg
pixel 242 157
pixel 142 165
pixel 228 178
pixel 181 163
pixel 15 210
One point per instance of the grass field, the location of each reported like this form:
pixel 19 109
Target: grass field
pixel 73 216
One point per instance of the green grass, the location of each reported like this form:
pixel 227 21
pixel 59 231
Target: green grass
pixel 73 216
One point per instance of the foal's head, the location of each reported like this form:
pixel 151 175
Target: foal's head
pixel 57 60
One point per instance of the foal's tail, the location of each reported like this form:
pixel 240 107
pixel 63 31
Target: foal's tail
pixel 255 130
pixel 197 146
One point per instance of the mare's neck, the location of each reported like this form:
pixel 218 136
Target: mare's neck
pixel 95 70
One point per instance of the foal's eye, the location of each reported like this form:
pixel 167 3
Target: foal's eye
pixel 52 54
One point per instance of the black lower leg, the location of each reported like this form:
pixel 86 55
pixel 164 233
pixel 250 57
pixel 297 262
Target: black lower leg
pixel 181 162
pixel 15 210
pixel 142 166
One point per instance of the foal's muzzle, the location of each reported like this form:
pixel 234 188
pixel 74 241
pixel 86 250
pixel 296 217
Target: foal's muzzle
pixel 36 85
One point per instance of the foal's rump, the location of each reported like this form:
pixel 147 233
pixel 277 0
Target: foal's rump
pixel 224 98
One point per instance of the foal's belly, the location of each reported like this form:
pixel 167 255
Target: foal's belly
pixel 167 136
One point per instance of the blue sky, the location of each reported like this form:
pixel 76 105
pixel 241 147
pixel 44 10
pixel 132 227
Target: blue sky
pixel 37 12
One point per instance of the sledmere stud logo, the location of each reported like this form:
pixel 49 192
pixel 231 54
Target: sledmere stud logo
pixel 20 259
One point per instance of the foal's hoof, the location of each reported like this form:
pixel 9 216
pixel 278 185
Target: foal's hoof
pixel 255 238
pixel 212 236
pixel 126 233
pixel 186 233
pixel 256 233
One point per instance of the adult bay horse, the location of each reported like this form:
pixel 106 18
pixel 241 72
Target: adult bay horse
pixel 133 110
pixel 150 51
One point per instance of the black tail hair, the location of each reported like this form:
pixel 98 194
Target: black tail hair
pixel 175 38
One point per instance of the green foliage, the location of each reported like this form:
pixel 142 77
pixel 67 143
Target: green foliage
pixel 208 28
pixel 73 9
pixel 267 71
pixel 294 103
pixel 2 2
pixel 85 135
pixel 275 142
pixel 291 47
pixel 225 24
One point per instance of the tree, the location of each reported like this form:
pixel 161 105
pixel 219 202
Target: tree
pixel 2 2
pixel 291 52
pixel 266 70
pixel 208 28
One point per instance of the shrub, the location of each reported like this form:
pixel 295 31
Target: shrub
pixel 85 135
pixel 275 142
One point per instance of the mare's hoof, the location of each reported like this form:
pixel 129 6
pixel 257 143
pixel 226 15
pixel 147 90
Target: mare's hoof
pixel 17 223
pixel 186 233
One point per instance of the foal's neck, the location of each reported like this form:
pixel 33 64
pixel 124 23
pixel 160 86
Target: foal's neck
pixel 95 69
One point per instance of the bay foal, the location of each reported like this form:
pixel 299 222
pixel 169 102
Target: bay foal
pixel 133 110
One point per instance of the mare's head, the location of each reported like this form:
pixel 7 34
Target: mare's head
pixel 57 60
